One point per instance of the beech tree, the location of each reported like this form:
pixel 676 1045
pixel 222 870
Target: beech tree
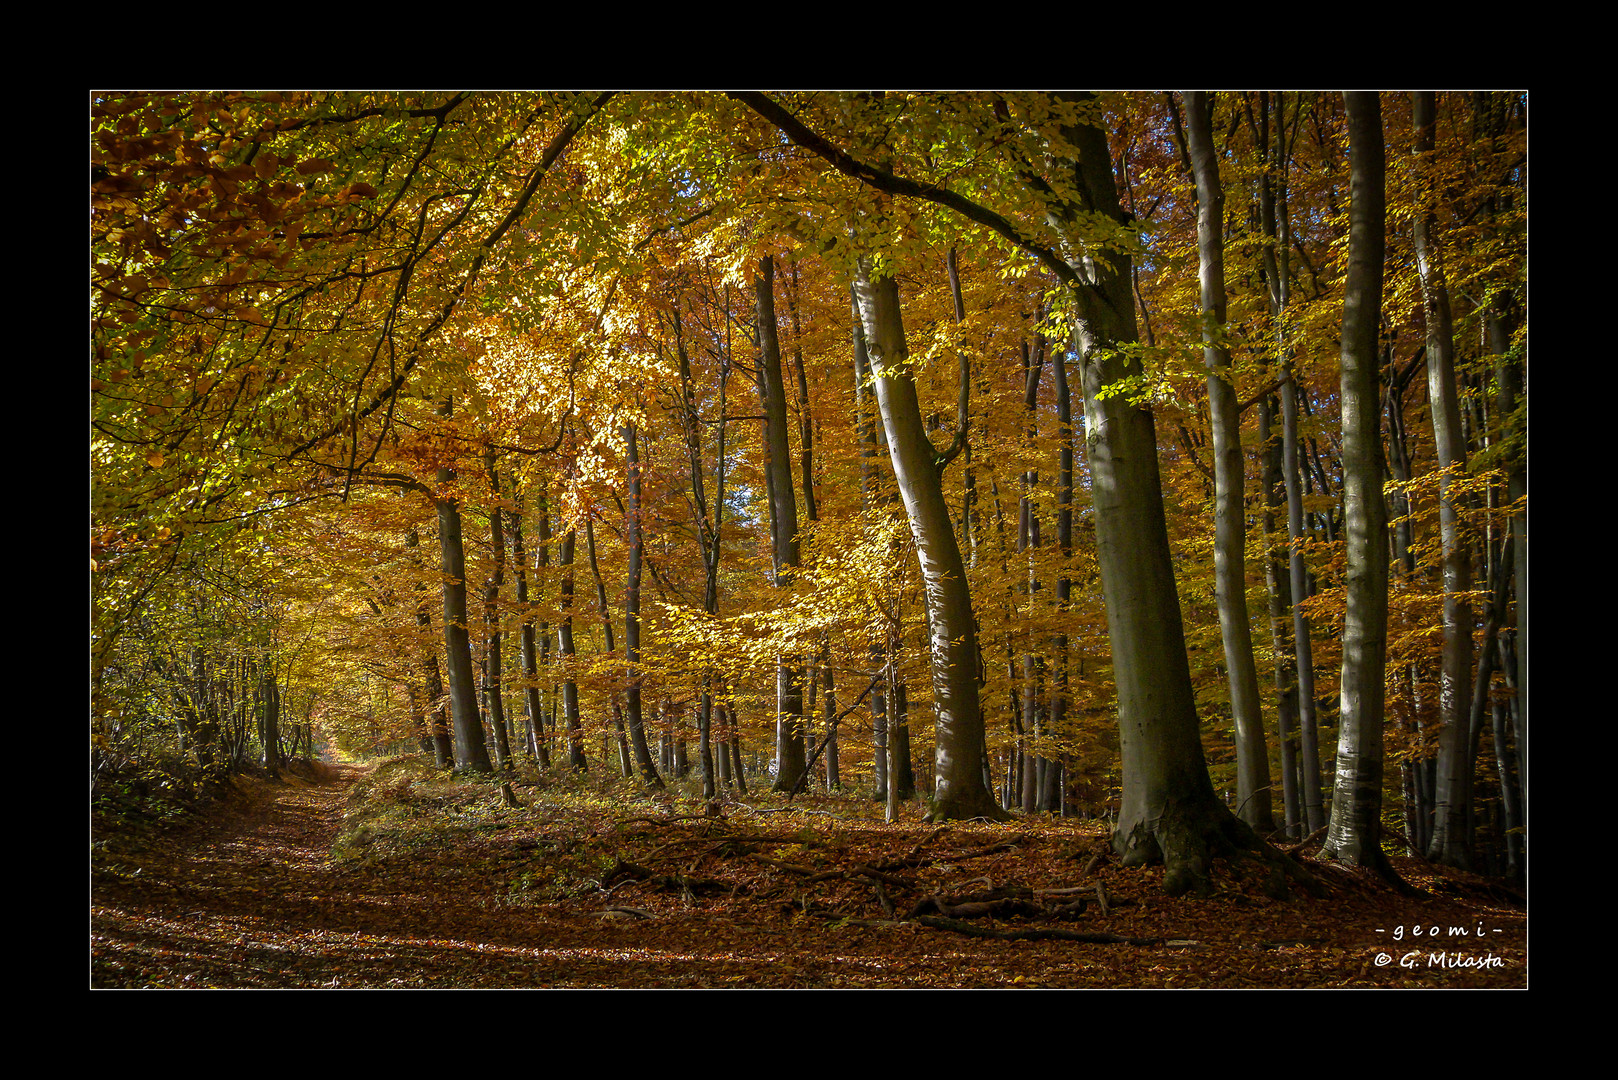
pixel 1356 816
pixel 1253 759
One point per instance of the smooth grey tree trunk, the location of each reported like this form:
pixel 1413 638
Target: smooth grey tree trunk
pixel 1034 718
pixel 959 791
pixel 1280 590
pixel 1277 229
pixel 1052 796
pixel 1169 808
pixel 1452 838
pixel 1354 832
pixel 1230 520
pixel 870 488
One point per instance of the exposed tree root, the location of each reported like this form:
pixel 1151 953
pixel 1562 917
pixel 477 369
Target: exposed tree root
pixel 1187 836
pixel 1375 861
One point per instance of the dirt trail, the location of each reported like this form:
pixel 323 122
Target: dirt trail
pixel 251 896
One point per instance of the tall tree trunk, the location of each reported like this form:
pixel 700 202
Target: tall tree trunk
pixel 1169 808
pixel 1230 520
pixel 564 639
pixel 789 752
pixel 538 742
pixel 1280 589
pixel 1277 266
pixel 471 752
pixel 959 791
pixel 494 687
pixel 1064 584
pixel 438 730
pixel 708 535
pixel 870 485
pixel 624 764
pixel 632 527
pixel 1033 666
pixel 1452 839
pixel 1354 834
pixel 269 703
pixel 1302 644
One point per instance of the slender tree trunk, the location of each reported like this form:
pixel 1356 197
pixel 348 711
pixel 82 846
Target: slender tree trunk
pixel 1033 667
pixel 1064 584
pixel 1280 589
pixel 1308 724
pixel 1507 764
pixel 1414 771
pixel 632 527
pixel 493 689
pixel 471 752
pixel 1230 521
pixel 438 729
pixel 1303 768
pixel 1452 839
pixel 870 485
pixel 1354 835
pixel 789 752
pixel 269 702
pixel 708 535
pixel 736 768
pixel 959 791
pixel 834 779
pixel 539 743
pixel 564 639
pixel 606 629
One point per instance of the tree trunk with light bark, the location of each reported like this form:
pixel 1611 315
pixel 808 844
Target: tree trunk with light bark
pixel 1354 832
pixel 1230 519
pixel 959 791
pixel 1451 842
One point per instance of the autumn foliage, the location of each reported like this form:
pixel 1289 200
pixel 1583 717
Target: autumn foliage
pixel 319 320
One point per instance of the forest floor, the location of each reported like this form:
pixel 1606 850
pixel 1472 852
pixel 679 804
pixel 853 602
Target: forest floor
pixel 395 876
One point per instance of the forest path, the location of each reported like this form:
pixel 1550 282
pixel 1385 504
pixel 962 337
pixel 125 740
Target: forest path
pixel 245 895
pixel 251 895
pixel 452 889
